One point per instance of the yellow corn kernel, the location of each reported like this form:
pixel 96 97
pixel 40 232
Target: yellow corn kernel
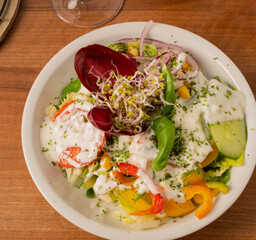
pixel 106 162
pixel 185 66
pixel 133 51
pixel 184 92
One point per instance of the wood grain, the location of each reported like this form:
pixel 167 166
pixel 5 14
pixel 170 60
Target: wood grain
pixel 36 35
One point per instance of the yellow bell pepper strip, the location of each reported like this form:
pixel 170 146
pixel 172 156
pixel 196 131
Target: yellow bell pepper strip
pixel 215 192
pixel 174 209
pixel 198 199
pixel 127 199
pixel 211 156
pixel 205 208
pixel 157 201
pixel 218 185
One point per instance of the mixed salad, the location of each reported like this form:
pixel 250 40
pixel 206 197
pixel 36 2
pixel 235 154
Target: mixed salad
pixel 143 129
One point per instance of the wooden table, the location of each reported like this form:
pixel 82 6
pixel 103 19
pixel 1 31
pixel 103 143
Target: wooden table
pixel 37 34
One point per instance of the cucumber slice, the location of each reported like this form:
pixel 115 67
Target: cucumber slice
pixel 230 137
pixel 89 184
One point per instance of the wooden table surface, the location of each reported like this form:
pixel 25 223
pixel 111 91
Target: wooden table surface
pixel 37 35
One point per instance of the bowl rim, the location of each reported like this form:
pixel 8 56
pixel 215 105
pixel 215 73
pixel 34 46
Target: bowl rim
pixel 57 203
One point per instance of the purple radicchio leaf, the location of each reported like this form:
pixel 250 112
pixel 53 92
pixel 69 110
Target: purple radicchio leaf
pixel 97 60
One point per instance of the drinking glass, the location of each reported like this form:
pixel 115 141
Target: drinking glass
pixel 87 13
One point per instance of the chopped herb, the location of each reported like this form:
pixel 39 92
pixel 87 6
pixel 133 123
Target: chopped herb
pixel 45 149
pixel 228 94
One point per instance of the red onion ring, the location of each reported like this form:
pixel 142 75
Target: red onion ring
pixel 143 34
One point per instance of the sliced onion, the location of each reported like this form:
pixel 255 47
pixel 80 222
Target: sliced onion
pixel 167 47
pixel 194 65
pixel 143 34
pixel 181 59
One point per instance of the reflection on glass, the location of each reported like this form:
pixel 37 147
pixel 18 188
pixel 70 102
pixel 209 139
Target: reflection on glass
pixel 87 13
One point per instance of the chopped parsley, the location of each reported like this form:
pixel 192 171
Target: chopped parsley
pixel 45 149
pixel 228 94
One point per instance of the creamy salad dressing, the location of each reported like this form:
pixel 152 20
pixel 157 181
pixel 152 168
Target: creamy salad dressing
pixel 211 100
pixel 222 103
pixel 72 129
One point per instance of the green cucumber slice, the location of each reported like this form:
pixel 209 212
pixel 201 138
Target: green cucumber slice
pixel 230 137
pixel 89 184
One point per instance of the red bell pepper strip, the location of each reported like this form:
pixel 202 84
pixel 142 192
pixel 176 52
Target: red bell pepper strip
pixel 157 201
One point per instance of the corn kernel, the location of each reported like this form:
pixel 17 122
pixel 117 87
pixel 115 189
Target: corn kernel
pixel 106 162
pixel 133 51
pixel 184 92
pixel 185 66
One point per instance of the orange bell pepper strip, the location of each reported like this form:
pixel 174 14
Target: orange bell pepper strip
pixel 174 209
pixel 157 201
pixel 211 156
pixel 128 181
pixel 193 177
pixel 191 190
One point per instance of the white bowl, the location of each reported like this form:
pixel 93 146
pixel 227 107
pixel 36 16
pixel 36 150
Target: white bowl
pixel 70 202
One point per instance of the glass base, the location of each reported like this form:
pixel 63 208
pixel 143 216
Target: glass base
pixel 87 13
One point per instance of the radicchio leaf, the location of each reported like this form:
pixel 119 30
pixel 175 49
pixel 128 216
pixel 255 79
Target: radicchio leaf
pixel 97 60
pixel 100 117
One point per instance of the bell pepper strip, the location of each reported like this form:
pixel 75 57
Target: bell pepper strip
pixel 198 199
pixel 157 201
pixel 218 185
pixel 123 179
pixel 191 190
pixel 194 177
pixel 215 192
pixel 165 133
pixel 174 209
pixel 62 109
pixel 211 156
pixel 169 93
pixel 127 199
